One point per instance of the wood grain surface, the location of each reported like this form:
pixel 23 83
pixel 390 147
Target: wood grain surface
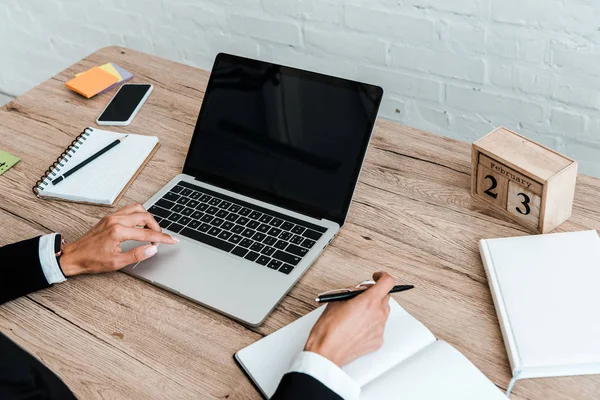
pixel 115 337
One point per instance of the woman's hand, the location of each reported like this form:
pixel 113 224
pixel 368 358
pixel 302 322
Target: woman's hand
pixel 349 329
pixel 99 250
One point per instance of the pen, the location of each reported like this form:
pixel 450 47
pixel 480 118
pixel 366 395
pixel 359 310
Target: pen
pixel 87 161
pixel 326 298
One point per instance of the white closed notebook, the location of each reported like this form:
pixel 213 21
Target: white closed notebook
pixel 546 289
pixel 411 365
pixel 105 179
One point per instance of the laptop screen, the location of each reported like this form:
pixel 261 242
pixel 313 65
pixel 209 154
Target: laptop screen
pixel 285 136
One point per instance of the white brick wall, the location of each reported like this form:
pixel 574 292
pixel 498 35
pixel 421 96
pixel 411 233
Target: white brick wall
pixel 458 68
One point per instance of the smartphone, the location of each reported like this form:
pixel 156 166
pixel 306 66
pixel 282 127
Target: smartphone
pixel 125 104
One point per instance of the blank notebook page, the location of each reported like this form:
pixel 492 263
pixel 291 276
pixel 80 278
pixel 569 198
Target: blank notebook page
pixel 102 180
pixel 550 286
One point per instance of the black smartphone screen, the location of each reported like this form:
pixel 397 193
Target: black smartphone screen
pixel 124 103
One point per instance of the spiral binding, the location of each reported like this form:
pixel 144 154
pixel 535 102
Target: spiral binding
pixel 60 162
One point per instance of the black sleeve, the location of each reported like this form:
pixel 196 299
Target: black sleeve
pixel 298 386
pixel 23 377
pixel 20 269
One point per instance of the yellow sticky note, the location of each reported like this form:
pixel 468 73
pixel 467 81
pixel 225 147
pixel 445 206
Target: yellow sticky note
pixel 111 70
pixel 7 161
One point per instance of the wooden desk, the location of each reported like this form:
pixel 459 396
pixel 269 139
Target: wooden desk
pixel 112 336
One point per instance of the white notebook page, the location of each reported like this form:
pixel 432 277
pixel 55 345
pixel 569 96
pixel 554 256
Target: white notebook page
pixel 269 359
pixel 103 179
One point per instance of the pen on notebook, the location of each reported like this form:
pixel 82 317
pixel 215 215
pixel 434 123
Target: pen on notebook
pixel 87 161
pixel 329 297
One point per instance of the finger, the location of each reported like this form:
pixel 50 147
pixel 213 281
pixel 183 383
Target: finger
pixel 145 235
pixel 136 255
pixel 130 209
pixel 383 284
pixel 143 219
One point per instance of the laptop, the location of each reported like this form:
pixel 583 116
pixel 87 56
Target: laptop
pixel 266 185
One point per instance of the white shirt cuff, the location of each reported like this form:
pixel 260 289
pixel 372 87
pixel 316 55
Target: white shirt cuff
pixel 327 373
pixel 50 267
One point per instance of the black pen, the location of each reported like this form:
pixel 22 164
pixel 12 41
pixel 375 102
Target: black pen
pixel 87 161
pixel 326 298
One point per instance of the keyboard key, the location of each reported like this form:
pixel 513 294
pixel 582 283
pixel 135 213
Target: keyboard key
pixel 274 264
pixel 214 231
pixel 286 226
pixel 174 217
pixel 202 207
pixel 297 239
pixel 193 203
pixel 171 197
pixel 267 251
pixel 161 212
pixel 237 239
pixel 253 224
pixel 178 208
pixel 157 219
pixel 214 201
pixel 259 236
pixel 209 240
pixel 263 260
pixel 308 243
pixel 251 256
pixel 175 227
pixel 286 236
pixel 264 228
pixel 257 246
pixel 246 243
pixel 276 222
pixel 239 251
pixel 265 218
pixel 232 217
pixel 204 227
pixel 286 257
pixel 227 225
pixel 224 235
pixel 237 229
pixel 270 240
pixel 248 233
pixel 187 211
pixel 254 215
pixel 222 213
pixel 245 211
pixel 205 198
pixel 286 269
pixel 185 220
pixel 217 222
pixel 183 200
pixel 177 189
pixel 166 204
pixel 186 192
pixel 314 235
pixel 224 204
pixel 296 250
pixel 194 224
pixel 206 218
pixel 274 232
pixel 164 223
pixel 195 195
pixel 197 215
pixel 281 244
pixel 298 229
pixel 235 208
pixel 242 220
pixel 212 210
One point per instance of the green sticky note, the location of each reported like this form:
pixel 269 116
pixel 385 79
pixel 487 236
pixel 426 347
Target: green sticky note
pixel 7 161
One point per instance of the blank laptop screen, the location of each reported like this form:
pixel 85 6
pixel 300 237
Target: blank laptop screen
pixel 292 138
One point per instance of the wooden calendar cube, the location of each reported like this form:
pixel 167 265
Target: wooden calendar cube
pixel 531 184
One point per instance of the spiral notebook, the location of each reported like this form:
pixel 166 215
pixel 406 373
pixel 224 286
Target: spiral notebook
pixel 104 180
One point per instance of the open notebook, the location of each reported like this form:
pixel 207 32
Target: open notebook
pixel 104 180
pixel 411 365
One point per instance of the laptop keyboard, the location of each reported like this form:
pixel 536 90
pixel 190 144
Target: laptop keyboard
pixel 263 236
